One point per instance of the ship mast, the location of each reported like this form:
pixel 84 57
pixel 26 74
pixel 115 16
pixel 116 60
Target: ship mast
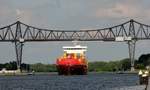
pixel 75 42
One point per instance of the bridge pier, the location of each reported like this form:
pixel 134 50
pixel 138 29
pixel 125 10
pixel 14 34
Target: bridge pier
pixel 131 47
pixel 19 45
pixel 19 48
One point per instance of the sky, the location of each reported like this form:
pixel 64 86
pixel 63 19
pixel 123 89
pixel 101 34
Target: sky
pixel 72 15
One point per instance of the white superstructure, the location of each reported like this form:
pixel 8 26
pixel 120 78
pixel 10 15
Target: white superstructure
pixel 75 49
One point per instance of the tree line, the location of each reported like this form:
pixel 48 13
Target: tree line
pixel 97 66
pixel 38 67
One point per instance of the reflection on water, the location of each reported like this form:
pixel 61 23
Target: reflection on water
pixel 55 82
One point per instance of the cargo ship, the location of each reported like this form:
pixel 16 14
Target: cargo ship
pixel 73 61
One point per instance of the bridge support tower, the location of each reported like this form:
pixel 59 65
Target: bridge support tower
pixel 19 42
pixel 131 47
pixel 19 48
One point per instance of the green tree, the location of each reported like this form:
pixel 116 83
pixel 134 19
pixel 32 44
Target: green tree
pixel 144 59
pixel 10 66
pixel 39 67
pixel 125 64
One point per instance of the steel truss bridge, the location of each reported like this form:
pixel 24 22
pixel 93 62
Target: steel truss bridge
pixel 130 32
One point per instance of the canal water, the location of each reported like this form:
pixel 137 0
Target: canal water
pixel 92 81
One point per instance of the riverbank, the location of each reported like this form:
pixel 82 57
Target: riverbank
pixel 56 73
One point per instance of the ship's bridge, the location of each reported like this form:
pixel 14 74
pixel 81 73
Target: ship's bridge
pixel 75 49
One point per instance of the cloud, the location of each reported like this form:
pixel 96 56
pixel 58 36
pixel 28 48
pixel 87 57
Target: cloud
pixel 23 15
pixel 118 10
pixel 18 12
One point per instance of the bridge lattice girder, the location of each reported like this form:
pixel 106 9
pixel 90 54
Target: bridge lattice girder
pixel 131 28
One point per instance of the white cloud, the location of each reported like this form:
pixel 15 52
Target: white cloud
pixel 18 12
pixel 23 15
pixel 118 10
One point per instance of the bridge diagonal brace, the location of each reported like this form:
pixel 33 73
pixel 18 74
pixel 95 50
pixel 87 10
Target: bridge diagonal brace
pixel 131 47
pixel 19 48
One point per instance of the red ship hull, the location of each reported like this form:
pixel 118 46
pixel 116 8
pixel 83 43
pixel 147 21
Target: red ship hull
pixel 71 66
pixel 72 70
